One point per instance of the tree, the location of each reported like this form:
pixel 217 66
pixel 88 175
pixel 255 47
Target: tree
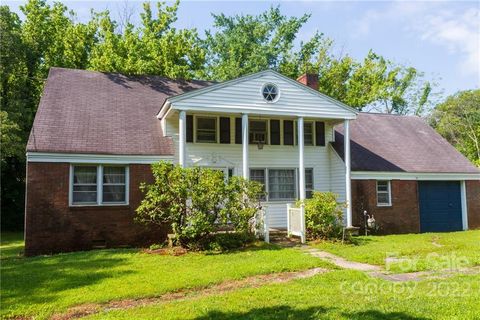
pixel 155 47
pixel 457 119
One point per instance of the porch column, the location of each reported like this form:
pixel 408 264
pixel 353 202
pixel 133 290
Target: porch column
pixel 301 162
pixel 182 128
pixel 301 177
pixel 245 145
pixel 348 184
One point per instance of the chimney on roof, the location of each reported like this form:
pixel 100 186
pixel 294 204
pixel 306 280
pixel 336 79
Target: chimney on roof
pixel 309 79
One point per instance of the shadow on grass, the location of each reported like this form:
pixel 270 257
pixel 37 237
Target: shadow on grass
pixel 286 312
pixel 41 279
pixel 257 246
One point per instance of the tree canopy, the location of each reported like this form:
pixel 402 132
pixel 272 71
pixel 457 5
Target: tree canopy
pixel 457 119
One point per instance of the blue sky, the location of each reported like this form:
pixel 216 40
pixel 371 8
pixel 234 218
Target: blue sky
pixel 440 38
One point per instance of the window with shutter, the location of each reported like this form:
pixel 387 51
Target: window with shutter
pixel 224 130
pixel 288 132
pixel 320 133
pixel 189 136
pixel 275 132
pixel 238 130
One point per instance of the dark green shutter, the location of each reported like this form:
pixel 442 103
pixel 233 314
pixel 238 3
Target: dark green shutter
pixel 275 132
pixel 238 130
pixel 224 130
pixel 320 133
pixel 189 128
pixel 288 132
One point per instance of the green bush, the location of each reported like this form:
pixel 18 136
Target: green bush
pixel 195 202
pixel 228 241
pixel 324 216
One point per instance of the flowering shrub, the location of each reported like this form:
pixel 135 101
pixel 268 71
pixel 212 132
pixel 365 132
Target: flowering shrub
pixel 195 202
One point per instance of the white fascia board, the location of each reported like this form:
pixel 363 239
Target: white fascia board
pixel 259 111
pixel 164 109
pixel 94 158
pixel 427 176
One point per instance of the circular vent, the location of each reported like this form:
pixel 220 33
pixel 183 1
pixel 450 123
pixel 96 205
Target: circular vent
pixel 270 92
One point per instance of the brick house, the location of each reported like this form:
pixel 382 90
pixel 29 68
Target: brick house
pixel 96 134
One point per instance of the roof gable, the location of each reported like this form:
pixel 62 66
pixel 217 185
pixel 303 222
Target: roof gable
pixel 244 95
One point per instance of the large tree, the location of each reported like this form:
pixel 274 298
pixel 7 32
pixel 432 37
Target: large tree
pixel 457 119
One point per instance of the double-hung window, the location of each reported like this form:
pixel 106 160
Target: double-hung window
pixel 259 176
pixel 384 193
pixel 257 131
pixel 308 133
pixel 99 185
pixel 206 129
pixel 281 184
pixel 308 183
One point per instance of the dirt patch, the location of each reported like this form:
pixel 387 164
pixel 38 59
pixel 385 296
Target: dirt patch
pixel 250 282
pixel 174 251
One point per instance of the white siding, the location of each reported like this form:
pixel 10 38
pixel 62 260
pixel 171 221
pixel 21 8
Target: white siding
pixel 244 96
pixel 230 155
pixel 337 176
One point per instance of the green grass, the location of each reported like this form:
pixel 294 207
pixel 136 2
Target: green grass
pixel 428 251
pixel 11 245
pixel 334 295
pixel 42 285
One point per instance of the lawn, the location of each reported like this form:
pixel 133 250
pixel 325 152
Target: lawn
pixel 335 295
pixel 42 285
pixel 45 285
pixel 415 252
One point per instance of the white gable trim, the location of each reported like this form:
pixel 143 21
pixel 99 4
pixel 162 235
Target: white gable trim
pixel 425 176
pixel 94 158
pixel 172 100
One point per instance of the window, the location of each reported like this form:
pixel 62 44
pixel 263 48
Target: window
pixel 384 196
pixel 308 183
pixel 270 92
pixel 281 184
pixel 207 130
pixel 113 184
pixel 257 131
pixel 259 176
pixel 307 134
pixel 84 190
pixel 98 185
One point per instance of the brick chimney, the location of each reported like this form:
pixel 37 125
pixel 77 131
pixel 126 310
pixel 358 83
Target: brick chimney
pixel 309 79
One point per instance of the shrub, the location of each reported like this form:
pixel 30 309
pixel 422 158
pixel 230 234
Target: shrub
pixel 228 241
pixel 197 201
pixel 324 216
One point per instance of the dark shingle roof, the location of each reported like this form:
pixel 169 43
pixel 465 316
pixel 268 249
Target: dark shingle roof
pixel 381 142
pixel 105 113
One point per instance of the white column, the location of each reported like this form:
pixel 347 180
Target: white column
pixel 463 193
pixel 348 184
pixel 245 145
pixel 301 177
pixel 182 127
pixel 301 162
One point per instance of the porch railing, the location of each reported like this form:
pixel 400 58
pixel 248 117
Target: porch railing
pixel 296 221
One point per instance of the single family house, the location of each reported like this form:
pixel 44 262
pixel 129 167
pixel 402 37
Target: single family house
pixel 95 135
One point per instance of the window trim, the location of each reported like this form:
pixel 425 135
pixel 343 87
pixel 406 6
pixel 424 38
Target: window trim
pixel 99 202
pixel 389 192
pixel 267 128
pixel 217 128
pixel 295 131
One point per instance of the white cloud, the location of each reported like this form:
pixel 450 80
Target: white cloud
pixel 440 23
pixel 459 33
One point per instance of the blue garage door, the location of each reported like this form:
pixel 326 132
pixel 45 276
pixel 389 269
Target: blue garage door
pixel 440 206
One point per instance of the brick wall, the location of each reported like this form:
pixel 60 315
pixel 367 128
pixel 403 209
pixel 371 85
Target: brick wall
pixel 51 225
pixel 402 217
pixel 473 204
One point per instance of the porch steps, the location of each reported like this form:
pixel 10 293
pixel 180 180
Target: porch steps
pixel 280 237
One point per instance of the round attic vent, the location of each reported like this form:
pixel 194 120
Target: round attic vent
pixel 270 92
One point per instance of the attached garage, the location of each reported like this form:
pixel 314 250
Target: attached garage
pixel 440 206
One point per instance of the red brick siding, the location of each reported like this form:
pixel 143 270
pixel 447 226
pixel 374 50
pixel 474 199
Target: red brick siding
pixel 473 204
pixel 51 225
pixel 402 217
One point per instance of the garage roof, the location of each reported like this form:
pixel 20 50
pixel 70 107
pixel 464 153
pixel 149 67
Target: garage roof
pixel 383 142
